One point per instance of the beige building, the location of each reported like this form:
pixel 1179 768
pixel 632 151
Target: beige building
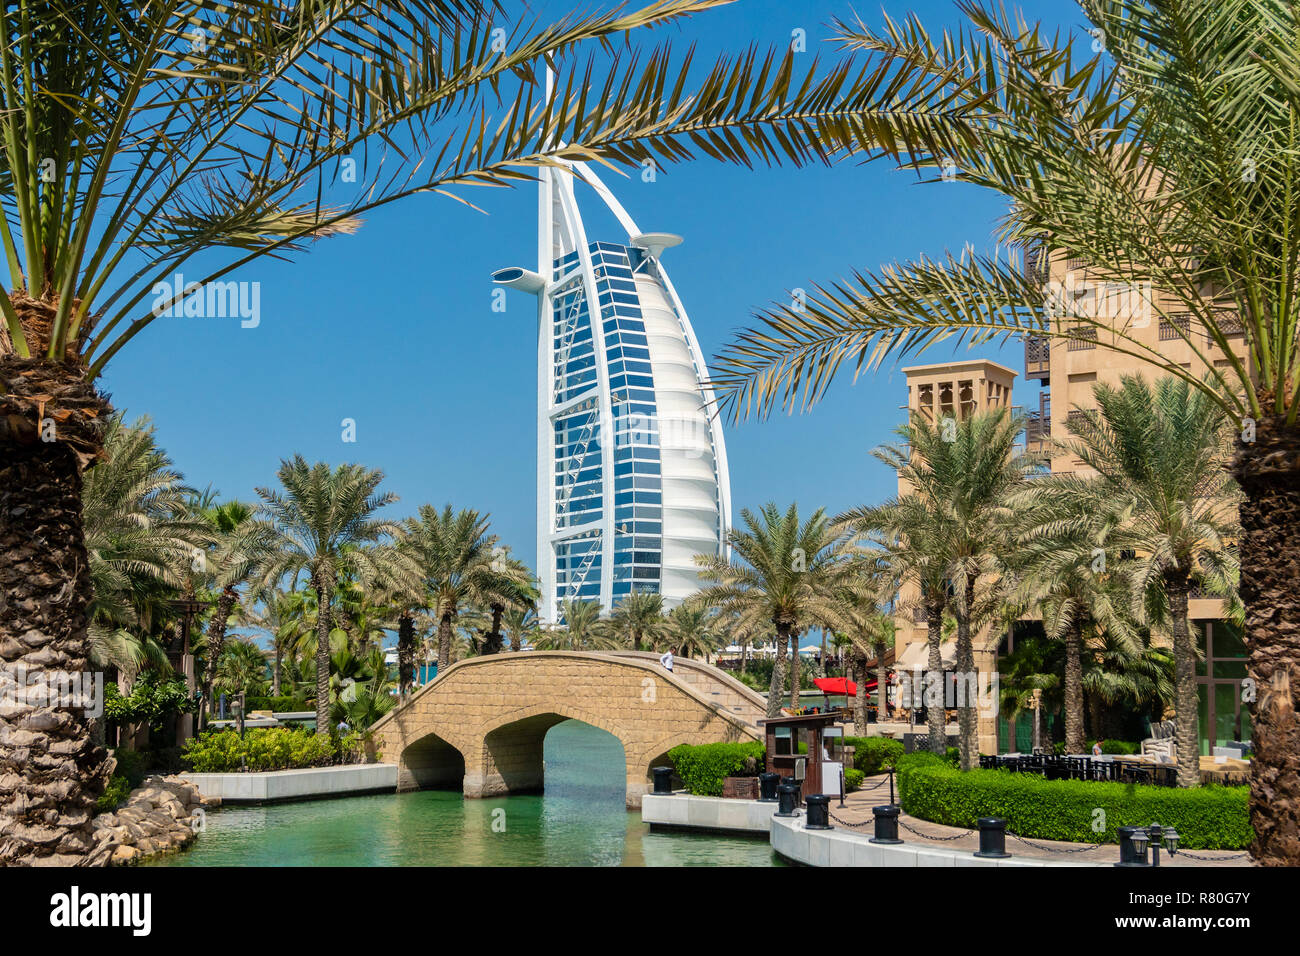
pixel 1067 369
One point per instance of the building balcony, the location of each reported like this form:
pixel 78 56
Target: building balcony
pixel 1038 428
pixel 1038 357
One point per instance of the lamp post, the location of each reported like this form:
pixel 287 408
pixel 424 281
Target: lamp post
pixel 1154 835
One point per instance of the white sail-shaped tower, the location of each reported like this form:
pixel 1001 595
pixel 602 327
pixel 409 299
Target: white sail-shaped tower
pixel 631 466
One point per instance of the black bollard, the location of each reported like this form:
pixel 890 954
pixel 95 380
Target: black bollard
pixel 1129 854
pixel 819 812
pixel 664 781
pixel 886 824
pixel 787 796
pixel 767 784
pixel 993 838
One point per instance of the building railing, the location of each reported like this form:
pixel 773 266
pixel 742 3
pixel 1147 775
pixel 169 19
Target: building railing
pixel 1086 339
pixel 1176 326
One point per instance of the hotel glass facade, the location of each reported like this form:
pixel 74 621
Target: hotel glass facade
pixel 632 477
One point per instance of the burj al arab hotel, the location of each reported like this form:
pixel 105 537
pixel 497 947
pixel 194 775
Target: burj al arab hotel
pixel 631 467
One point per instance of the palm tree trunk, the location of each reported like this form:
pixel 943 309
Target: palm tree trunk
pixel 216 641
pixel 934 711
pixel 882 679
pixel 794 668
pixel 322 657
pixel 405 654
pixel 53 773
pixel 1074 689
pixel 444 642
pixel 1268 471
pixel 1186 738
pixel 516 642
pixel 744 655
pixel 860 701
pixel 967 744
pixel 492 641
pixel 777 686
pixel 275 674
pixel 821 663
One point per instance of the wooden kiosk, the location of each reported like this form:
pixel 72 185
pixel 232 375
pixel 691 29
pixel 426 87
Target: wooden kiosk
pixel 819 767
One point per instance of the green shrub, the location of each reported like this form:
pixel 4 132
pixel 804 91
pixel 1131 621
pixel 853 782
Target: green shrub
pixel 853 779
pixel 132 765
pixel 1207 818
pixel 263 748
pixel 114 795
pixel 874 754
pixel 703 768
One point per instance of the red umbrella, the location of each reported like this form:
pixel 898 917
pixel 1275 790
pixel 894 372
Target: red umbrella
pixel 836 685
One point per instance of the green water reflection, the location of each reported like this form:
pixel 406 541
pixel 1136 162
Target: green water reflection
pixel 580 821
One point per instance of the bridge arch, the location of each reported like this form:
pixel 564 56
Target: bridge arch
pixel 495 711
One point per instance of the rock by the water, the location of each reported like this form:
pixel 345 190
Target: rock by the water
pixel 158 817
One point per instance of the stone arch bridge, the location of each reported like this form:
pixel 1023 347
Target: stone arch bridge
pixel 480 724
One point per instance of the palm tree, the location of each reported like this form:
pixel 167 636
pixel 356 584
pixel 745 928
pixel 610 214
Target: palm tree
pixel 146 142
pixel 279 614
pixel 241 669
pixel 318 524
pixel 237 544
pixel 513 586
pixel 960 474
pixel 639 618
pixel 1032 670
pixel 520 625
pixel 691 630
pixel 580 629
pixel 139 535
pixel 1162 159
pixel 1163 496
pixel 454 554
pixel 789 572
pixel 1060 567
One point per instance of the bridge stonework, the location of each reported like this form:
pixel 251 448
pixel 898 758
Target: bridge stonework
pixel 480 724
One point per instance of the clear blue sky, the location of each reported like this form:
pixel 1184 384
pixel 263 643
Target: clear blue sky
pixel 393 326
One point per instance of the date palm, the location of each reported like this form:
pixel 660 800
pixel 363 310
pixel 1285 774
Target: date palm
pixel 236 545
pixel 690 631
pixel 321 523
pixel 639 618
pixel 1162 495
pixel 454 555
pixel 139 534
pixel 785 571
pixel 580 629
pixel 958 475
pixel 1159 149
pixel 520 625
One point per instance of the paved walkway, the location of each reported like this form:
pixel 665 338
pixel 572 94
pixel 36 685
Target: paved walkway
pixel 856 814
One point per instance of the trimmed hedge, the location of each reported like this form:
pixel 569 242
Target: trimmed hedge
pixel 874 754
pixel 1207 818
pixel 853 779
pixel 703 768
pixel 262 748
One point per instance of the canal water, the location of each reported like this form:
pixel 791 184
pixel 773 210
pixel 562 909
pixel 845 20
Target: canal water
pixel 581 820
